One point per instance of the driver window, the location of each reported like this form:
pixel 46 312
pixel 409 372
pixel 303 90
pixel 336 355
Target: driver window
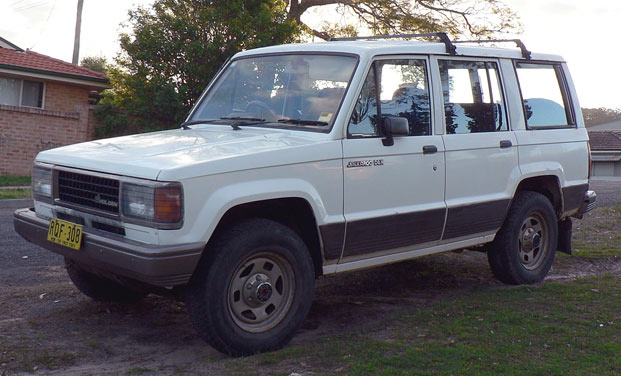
pixel 403 93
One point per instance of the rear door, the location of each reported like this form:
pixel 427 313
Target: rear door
pixel 481 151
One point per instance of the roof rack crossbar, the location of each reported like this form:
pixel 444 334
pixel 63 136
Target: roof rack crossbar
pixel 525 52
pixel 444 38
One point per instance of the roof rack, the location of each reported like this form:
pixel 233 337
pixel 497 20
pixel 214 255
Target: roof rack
pixel 444 38
pixel 525 52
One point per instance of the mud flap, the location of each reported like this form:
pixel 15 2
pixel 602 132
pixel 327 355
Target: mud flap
pixel 564 236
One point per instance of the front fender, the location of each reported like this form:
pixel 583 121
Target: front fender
pixel 208 198
pixel 228 197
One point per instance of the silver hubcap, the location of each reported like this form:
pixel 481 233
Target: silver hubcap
pixel 261 292
pixel 533 241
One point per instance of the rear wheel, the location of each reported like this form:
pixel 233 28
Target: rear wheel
pixel 253 289
pixel 100 288
pixel 524 248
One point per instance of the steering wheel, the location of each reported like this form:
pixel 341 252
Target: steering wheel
pixel 262 109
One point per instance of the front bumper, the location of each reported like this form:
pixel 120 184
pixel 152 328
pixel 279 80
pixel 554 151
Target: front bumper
pixel 164 266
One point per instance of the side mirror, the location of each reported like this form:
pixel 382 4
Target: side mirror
pixel 394 125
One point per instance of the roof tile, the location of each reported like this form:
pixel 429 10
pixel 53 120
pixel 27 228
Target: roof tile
pixel 37 61
pixel 605 140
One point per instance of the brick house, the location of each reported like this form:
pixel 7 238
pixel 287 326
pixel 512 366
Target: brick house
pixel 44 103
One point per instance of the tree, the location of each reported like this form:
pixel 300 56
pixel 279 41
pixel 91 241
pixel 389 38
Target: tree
pixel 96 63
pixel 175 47
pixel 596 116
pixel 472 19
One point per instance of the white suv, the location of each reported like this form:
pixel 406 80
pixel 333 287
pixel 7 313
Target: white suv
pixel 309 159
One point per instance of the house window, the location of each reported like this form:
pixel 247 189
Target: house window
pixel 16 92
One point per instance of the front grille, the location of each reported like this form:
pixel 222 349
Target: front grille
pixel 89 191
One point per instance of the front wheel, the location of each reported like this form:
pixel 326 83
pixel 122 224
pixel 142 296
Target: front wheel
pixel 253 289
pixel 524 248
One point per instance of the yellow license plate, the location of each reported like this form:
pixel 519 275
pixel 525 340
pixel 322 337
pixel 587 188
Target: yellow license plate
pixel 65 233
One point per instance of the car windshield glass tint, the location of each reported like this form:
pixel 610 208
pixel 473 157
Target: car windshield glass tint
pixel 297 91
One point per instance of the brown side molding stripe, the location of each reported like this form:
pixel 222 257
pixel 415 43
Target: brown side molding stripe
pixel 378 234
pixel 333 236
pixel 402 230
pixel 476 218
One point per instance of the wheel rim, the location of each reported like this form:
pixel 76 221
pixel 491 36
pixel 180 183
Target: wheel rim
pixel 533 241
pixel 260 292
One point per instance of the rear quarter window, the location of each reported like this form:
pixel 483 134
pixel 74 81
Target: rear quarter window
pixel 544 96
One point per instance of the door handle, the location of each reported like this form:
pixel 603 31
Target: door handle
pixel 430 149
pixel 505 144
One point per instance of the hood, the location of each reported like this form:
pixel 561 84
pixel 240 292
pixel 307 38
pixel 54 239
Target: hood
pixel 147 155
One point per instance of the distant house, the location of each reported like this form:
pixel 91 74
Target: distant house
pixel 44 103
pixel 605 141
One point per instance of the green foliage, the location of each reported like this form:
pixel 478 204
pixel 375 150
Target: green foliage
pixel 96 63
pixel 174 50
pixel 114 120
pixel 339 31
pixel 9 180
pixel 14 193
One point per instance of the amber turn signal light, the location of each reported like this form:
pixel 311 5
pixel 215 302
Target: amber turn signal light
pixel 168 204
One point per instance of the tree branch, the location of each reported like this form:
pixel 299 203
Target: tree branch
pixel 462 14
pixel 298 7
pixel 482 17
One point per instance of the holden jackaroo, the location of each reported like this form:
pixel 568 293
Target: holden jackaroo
pixel 304 160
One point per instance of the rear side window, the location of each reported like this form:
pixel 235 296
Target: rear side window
pixel 544 96
pixel 473 100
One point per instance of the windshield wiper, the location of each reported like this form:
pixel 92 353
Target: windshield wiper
pixel 186 124
pixel 241 118
pixel 226 120
pixel 241 121
pixel 303 122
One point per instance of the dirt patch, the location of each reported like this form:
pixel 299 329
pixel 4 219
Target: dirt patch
pixel 48 328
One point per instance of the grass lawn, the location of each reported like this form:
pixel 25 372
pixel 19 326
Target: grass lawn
pixel 15 193
pixel 570 328
pixel 7 181
pixel 598 233
pixel 12 181
pixel 554 328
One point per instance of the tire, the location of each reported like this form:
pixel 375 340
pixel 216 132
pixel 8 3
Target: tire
pixel 524 248
pixel 99 288
pixel 253 289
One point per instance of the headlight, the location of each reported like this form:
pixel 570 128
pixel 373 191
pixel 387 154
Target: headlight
pixel 161 203
pixel 42 183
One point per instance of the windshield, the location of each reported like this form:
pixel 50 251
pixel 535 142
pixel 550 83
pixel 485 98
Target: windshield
pixel 283 90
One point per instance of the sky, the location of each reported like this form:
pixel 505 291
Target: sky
pixel 583 32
